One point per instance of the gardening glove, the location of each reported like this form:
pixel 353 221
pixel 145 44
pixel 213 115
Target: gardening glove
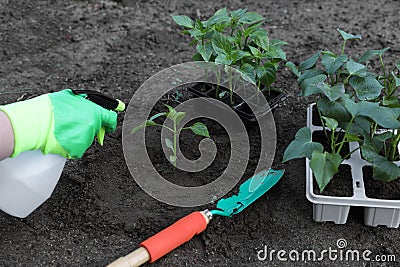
pixel 58 123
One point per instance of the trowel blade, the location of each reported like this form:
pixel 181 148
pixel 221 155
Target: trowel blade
pixel 249 192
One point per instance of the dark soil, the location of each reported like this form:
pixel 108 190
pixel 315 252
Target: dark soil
pixel 316 120
pixel 341 184
pixel 97 212
pixel 379 189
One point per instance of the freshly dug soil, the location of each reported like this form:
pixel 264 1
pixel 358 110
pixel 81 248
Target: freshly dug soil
pixel 341 184
pixel 379 189
pixel 97 212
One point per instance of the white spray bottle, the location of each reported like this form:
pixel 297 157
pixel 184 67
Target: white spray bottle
pixel 29 179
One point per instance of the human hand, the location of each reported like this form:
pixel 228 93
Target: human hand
pixel 59 123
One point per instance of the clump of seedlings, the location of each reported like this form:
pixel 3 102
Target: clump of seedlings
pixel 236 39
pixel 176 118
pixel 354 104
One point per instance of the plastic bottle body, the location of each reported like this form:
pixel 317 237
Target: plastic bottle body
pixel 27 181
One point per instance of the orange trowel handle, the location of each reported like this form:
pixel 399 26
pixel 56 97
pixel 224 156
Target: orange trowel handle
pixel 175 235
pixel 167 240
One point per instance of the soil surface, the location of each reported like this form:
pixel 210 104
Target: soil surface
pixel 341 184
pixel 379 189
pixel 97 212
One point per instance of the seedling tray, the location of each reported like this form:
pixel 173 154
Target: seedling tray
pixel 243 108
pixel 336 209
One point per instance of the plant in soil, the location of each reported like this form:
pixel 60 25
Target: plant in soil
pixel 176 118
pixel 354 104
pixel 236 39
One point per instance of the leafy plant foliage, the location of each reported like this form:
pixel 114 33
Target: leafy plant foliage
pixel 236 39
pixel 176 117
pixel 355 104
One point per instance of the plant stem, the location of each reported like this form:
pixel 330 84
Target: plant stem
pixel 345 135
pixel 394 144
pixel 373 128
pixel 333 141
pixel 344 44
pixel 383 68
pixel 351 152
pixel 347 79
pixel 175 139
pixel 230 85
pixel 218 74
pixel 323 124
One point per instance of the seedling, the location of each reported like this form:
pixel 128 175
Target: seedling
pixel 236 39
pixel 176 117
pixel 355 101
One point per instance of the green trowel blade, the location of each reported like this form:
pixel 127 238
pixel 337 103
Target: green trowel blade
pixel 249 192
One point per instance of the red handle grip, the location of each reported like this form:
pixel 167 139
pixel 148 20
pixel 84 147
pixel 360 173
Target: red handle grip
pixel 175 235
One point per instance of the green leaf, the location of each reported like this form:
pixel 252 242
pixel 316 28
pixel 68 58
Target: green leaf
pixel 302 146
pixel 223 59
pixel 179 117
pixel 352 138
pixel 248 73
pixel 152 118
pixel 367 88
pixel 309 62
pixel 221 16
pixel 330 123
pixel 277 43
pixel 356 69
pixel 329 53
pixel 255 52
pixel 275 52
pixel 351 107
pixel 200 129
pixel 172 158
pixel 396 80
pixel 143 125
pixel 384 136
pixel 184 21
pixel 385 170
pixel 360 126
pixel 250 17
pixel 372 53
pixel 238 13
pixel 174 115
pixel 237 55
pixel 309 74
pixel 348 36
pixel 169 143
pixel 369 152
pixel 221 44
pixel 291 66
pixel 383 116
pixel 332 64
pixel 260 38
pixel 197 57
pixel 333 92
pixel 205 50
pixel 391 101
pixel 324 166
pixel 333 109
pixel 311 85
pixel 267 73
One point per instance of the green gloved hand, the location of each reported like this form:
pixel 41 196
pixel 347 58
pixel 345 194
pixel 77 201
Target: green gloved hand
pixel 59 123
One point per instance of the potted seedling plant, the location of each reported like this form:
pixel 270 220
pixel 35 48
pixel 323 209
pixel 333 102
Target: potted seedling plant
pixel 356 118
pixel 236 39
pixel 176 118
